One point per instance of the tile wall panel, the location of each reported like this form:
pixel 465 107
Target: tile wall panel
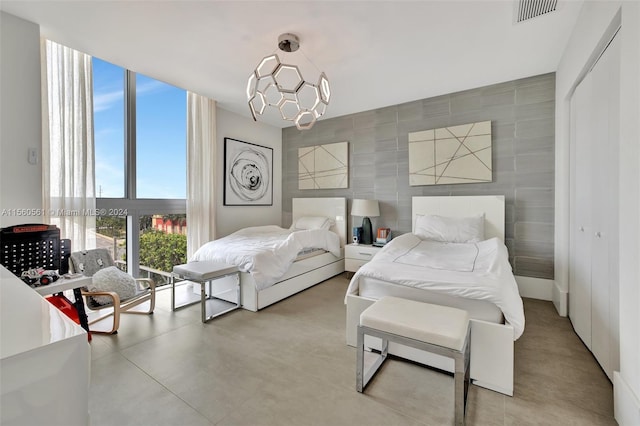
pixel 522 124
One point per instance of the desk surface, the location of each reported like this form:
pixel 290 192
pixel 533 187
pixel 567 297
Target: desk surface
pixel 29 322
pixel 63 284
pixel 44 360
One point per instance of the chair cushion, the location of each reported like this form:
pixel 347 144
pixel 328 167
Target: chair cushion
pixel 112 279
pixel 435 324
pixel 89 262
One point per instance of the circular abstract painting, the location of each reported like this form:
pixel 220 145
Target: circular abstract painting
pixel 248 169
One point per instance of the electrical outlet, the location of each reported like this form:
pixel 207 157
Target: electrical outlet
pixel 32 156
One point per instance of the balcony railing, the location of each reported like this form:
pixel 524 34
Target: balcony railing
pixel 160 277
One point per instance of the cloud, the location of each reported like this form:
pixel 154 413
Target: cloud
pixel 149 86
pixel 105 100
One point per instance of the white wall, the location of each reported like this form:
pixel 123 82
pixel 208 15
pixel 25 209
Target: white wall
pixel 20 119
pixel 592 28
pixel 232 218
pixel 627 383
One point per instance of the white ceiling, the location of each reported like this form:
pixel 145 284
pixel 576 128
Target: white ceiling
pixel 375 53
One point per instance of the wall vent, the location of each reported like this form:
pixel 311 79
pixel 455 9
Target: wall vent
pixel 527 9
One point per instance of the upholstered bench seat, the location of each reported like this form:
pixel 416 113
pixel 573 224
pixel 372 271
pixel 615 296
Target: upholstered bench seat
pixel 439 325
pixel 433 328
pixel 223 300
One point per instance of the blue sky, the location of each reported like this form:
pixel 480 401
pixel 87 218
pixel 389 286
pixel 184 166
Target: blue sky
pixel 161 135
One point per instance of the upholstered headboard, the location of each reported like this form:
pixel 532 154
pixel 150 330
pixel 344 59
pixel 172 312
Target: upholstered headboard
pixel 462 206
pixel 333 208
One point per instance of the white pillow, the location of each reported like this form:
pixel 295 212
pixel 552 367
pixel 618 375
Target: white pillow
pixel 112 279
pixel 312 222
pixel 450 229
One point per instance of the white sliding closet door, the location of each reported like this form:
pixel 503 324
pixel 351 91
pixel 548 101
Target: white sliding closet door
pixel 593 260
pixel 581 231
pixel 604 251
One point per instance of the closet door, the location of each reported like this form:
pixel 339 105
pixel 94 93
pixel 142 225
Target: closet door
pixel 604 247
pixel 594 229
pixel 580 212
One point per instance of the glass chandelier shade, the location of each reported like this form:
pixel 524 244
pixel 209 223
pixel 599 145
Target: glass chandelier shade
pixel 281 86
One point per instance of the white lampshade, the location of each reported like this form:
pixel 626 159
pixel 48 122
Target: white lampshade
pixel 365 208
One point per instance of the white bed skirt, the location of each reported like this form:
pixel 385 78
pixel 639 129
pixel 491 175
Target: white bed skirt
pixel 372 288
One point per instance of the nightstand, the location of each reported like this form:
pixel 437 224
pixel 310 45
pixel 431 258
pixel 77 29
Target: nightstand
pixel 356 255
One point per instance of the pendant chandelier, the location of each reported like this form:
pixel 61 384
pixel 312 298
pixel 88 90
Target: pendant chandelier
pixel 281 86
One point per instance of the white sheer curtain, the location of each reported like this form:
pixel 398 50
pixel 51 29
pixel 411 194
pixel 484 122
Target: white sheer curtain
pixel 67 150
pixel 201 171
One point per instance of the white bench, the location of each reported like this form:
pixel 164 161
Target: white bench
pixel 437 329
pixel 205 272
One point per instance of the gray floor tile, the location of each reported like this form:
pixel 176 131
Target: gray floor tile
pixel 289 365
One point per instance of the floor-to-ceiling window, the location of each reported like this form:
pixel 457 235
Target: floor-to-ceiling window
pixel 140 154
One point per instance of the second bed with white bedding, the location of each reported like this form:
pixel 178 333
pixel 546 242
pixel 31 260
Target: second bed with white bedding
pixel 269 258
pixel 459 221
pixel 464 275
pixel 266 252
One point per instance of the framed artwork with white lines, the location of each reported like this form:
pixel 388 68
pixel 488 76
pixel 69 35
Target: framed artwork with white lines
pixel 324 166
pixel 451 155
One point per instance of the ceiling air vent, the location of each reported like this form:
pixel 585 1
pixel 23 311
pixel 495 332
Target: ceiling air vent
pixel 527 9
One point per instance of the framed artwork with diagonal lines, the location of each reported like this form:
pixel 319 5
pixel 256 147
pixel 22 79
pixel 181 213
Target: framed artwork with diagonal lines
pixel 451 155
pixel 323 166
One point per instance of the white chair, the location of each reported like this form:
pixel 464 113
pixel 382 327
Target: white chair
pixel 89 262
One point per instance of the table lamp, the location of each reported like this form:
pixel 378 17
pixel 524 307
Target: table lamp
pixel 366 209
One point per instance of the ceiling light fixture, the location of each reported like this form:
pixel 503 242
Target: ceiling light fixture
pixel 282 86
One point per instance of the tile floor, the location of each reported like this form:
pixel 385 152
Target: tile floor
pixel 289 365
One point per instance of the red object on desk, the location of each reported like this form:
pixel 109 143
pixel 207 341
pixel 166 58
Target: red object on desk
pixel 67 308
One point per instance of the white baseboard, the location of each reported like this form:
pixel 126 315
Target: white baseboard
pixel 541 289
pixel 626 405
pixel 535 288
pixel 560 300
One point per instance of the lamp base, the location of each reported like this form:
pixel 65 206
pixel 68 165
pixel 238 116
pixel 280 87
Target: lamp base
pixel 367 233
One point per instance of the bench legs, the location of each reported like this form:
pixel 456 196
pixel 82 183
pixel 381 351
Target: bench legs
pixel 461 359
pixel 461 378
pixel 362 376
pixel 207 293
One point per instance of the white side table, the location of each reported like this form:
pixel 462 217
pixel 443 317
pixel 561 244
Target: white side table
pixel 356 255
pixel 224 299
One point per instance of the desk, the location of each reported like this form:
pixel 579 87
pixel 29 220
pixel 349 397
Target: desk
pixel 44 360
pixel 74 284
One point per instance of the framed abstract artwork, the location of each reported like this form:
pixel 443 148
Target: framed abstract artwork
pixel 324 166
pixel 449 155
pixel 248 174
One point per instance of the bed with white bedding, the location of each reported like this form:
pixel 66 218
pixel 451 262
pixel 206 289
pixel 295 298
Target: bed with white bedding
pixel 276 263
pixel 459 271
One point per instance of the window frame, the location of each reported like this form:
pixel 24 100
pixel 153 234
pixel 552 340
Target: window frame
pixel 133 206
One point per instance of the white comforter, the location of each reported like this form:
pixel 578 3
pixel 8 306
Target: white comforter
pixel 266 251
pixel 473 270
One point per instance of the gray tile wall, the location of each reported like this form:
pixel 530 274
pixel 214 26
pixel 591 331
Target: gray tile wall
pixel 522 124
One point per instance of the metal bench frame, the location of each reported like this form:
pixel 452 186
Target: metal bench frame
pixel 461 359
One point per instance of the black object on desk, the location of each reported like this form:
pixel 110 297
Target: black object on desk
pixel 38 245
